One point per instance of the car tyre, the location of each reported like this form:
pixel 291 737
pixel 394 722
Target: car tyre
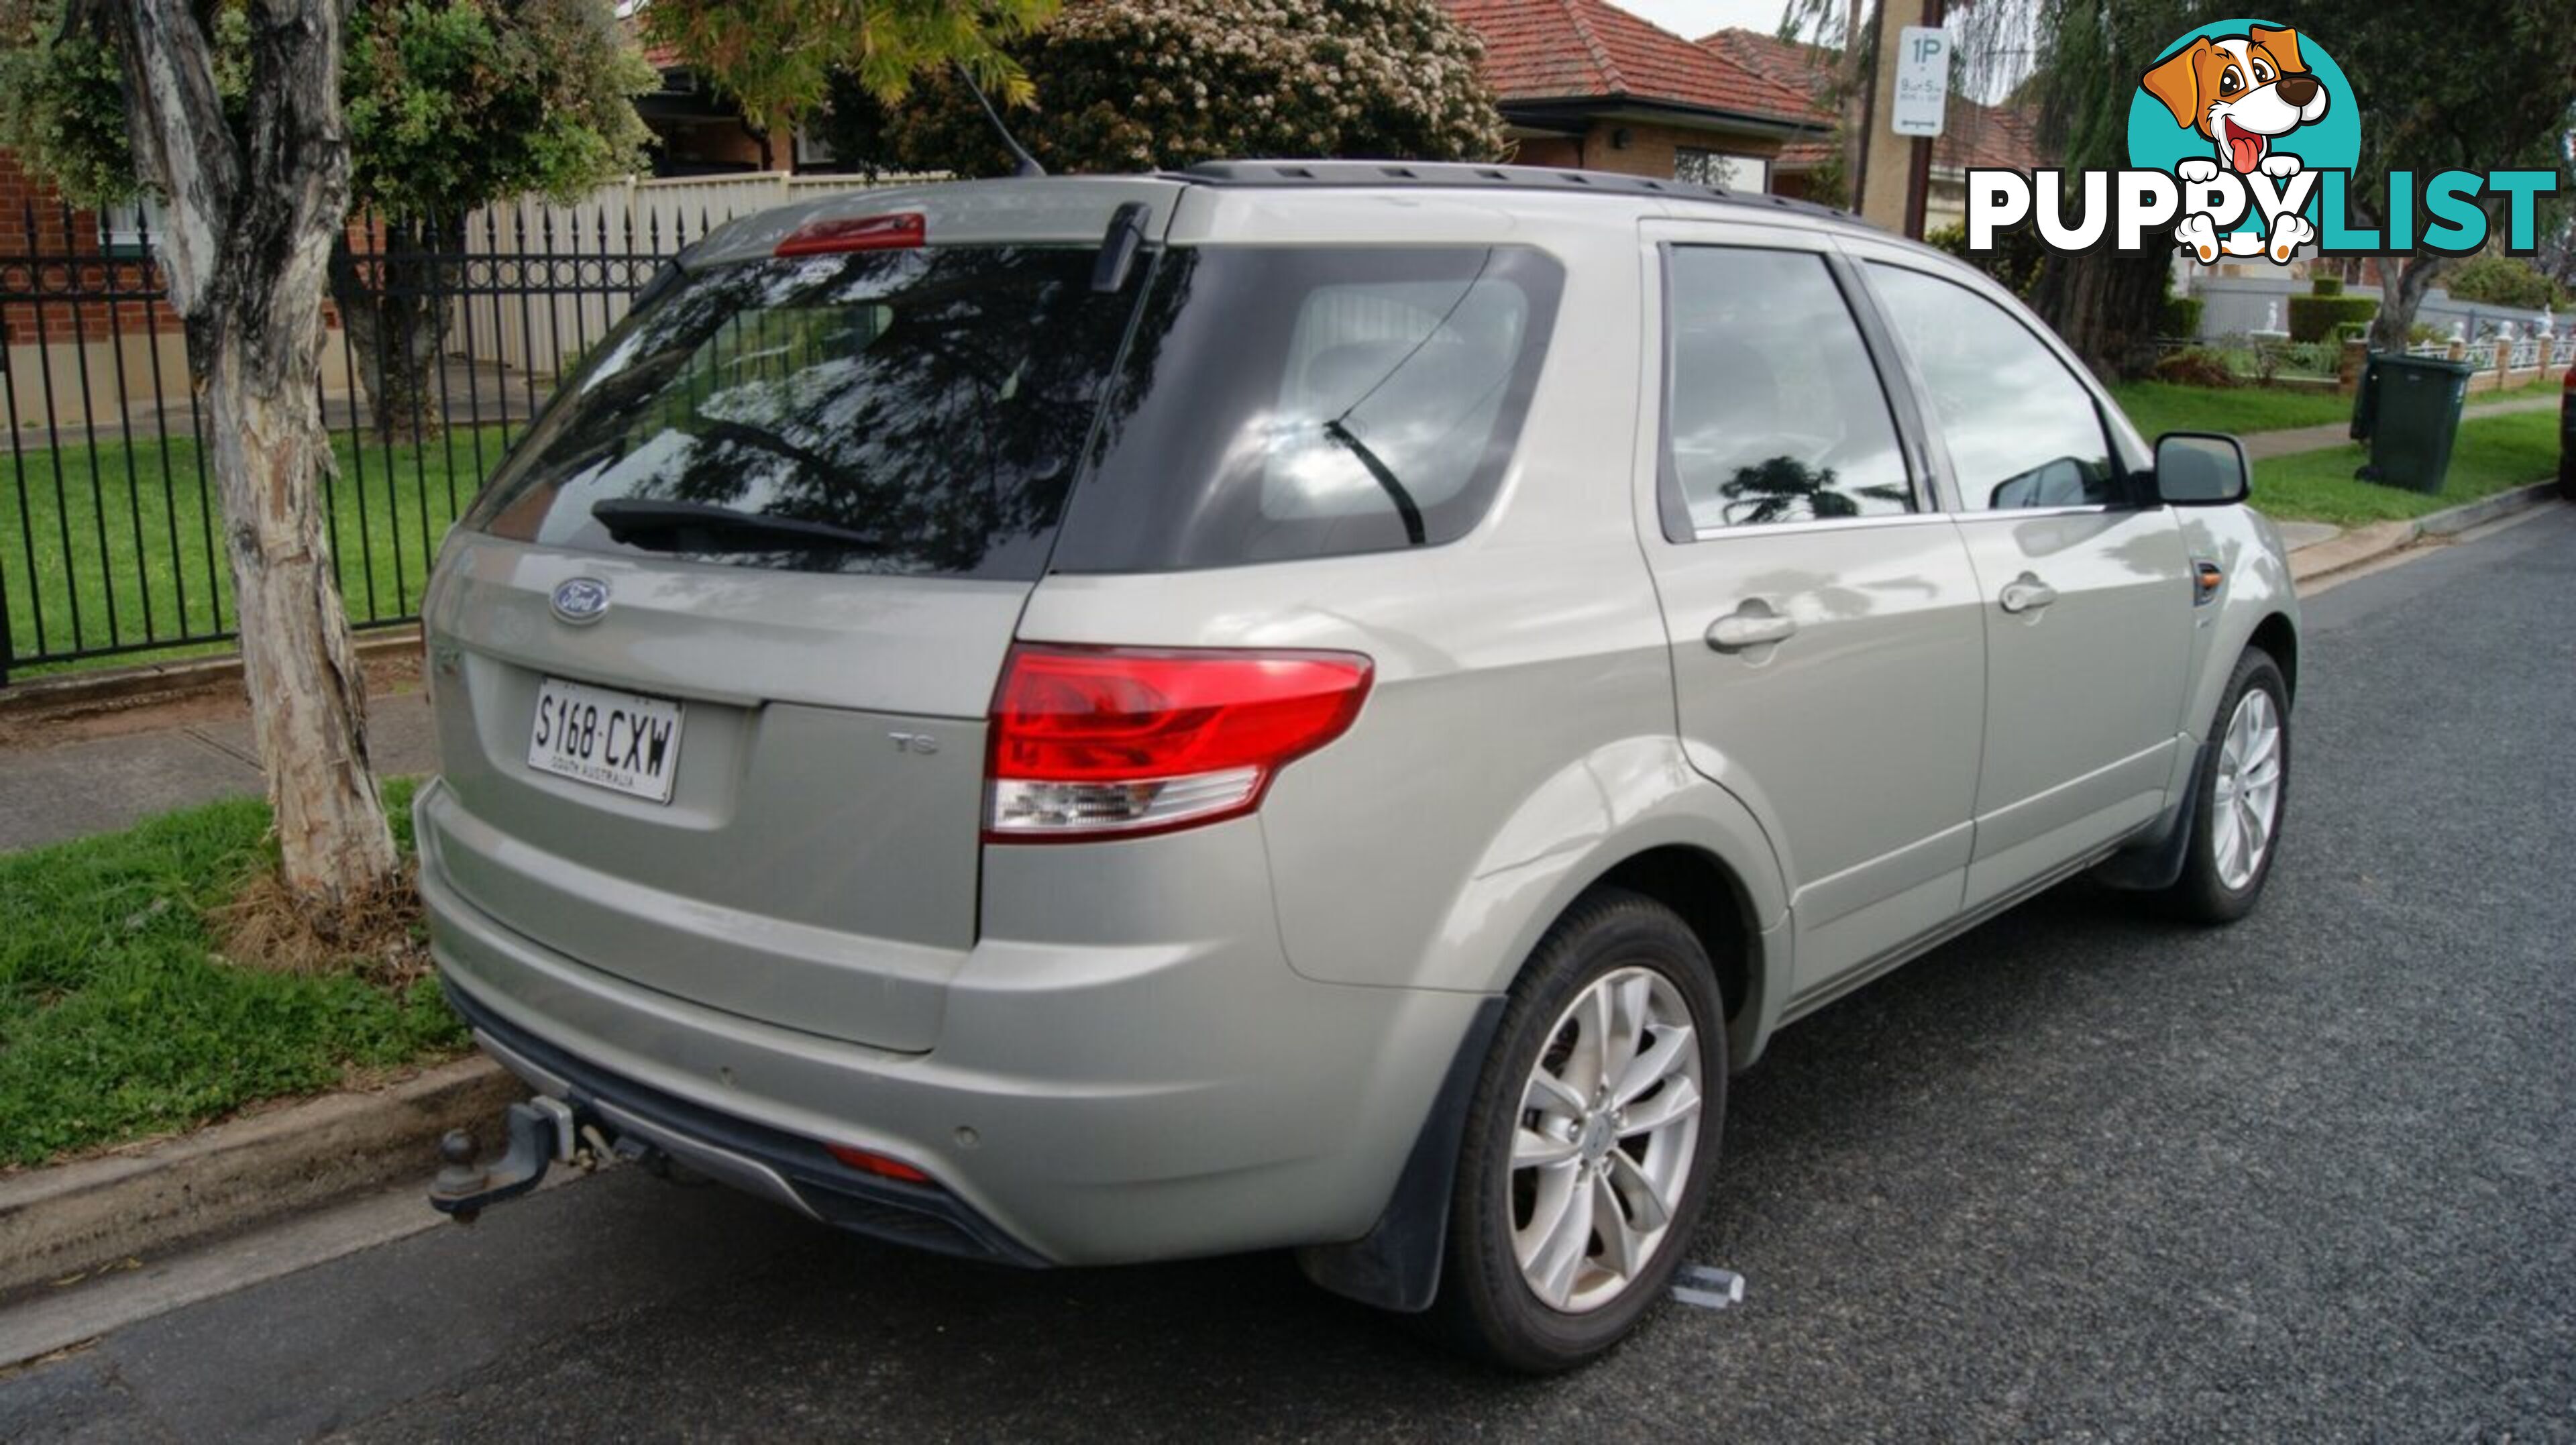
pixel 2244 798
pixel 1594 1102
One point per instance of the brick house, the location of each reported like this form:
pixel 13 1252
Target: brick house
pixel 70 359
pixel 1973 136
pixel 73 363
pixel 1584 83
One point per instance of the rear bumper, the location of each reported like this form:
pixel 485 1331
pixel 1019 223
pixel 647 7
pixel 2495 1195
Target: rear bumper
pixel 1086 1104
pixel 779 1166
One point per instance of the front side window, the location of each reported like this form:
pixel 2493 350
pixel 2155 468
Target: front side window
pixel 1773 411
pixel 2022 431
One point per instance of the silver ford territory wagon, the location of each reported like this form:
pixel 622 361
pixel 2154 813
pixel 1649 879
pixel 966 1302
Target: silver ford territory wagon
pixel 1317 706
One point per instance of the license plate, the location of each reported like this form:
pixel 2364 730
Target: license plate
pixel 614 740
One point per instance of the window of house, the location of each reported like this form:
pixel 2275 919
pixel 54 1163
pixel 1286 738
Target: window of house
pixel 127 228
pixel 811 151
pixel 2021 430
pixel 1721 168
pixel 1773 410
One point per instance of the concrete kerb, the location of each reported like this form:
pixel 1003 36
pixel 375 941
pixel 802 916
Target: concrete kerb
pixel 2369 544
pixel 70 1219
pixel 162 681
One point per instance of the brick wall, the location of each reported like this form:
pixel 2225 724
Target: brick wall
pixel 34 223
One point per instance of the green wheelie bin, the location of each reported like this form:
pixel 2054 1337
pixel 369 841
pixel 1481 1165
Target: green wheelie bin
pixel 2408 409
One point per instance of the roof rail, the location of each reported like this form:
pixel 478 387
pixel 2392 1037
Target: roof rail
pixel 1467 175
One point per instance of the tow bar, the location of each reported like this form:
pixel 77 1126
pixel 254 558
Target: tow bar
pixel 540 1132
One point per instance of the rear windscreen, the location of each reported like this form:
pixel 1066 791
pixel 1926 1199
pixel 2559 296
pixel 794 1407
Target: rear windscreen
pixel 1279 402
pixel 917 411
pixel 926 411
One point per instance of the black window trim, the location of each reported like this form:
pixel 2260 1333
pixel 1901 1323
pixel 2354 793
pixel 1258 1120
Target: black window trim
pixel 1673 509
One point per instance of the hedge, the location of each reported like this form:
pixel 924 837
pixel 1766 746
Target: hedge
pixel 2326 286
pixel 2314 318
pixel 2180 317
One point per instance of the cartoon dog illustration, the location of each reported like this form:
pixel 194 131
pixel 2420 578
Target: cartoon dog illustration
pixel 2241 92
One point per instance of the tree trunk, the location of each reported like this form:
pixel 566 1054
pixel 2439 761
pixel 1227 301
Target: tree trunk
pixel 395 312
pixel 251 221
pixel 271 460
pixel 2395 322
pixel 2105 306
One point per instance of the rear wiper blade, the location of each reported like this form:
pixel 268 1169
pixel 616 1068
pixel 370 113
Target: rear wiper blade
pixel 1385 478
pixel 643 523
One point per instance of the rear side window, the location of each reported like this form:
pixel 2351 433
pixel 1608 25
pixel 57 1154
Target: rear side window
pixel 918 411
pixel 1773 412
pixel 2021 430
pixel 1289 402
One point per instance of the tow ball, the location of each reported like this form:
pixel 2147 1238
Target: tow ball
pixel 539 1132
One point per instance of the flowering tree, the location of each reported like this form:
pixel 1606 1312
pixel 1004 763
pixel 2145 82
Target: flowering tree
pixel 1123 85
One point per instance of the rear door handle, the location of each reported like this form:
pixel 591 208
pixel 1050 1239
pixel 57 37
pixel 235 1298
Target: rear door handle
pixel 2027 593
pixel 1752 625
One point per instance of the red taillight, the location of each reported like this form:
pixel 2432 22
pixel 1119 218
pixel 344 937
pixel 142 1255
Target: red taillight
pixel 897 232
pixel 868 1161
pixel 1094 742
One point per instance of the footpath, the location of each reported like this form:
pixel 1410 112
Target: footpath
pixel 2290 441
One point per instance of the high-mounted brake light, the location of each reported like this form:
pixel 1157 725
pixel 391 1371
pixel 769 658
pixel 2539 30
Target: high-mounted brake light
pixel 900 231
pixel 1093 742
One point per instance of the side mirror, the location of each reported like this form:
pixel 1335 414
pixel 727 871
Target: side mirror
pixel 2201 469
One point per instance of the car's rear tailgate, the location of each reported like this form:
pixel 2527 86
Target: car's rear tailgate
pixel 816 864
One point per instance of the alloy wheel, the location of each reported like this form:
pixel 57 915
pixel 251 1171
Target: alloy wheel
pixel 2248 793
pixel 1609 1122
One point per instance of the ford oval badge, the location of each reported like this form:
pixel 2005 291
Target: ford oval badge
pixel 581 600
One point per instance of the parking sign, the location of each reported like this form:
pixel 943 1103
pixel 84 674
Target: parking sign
pixel 1922 81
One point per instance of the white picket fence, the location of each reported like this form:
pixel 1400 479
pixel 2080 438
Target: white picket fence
pixel 570 269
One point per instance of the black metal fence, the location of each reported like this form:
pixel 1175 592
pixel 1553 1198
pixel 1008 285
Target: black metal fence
pixel 110 537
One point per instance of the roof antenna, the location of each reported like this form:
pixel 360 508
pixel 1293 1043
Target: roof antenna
pixel 1024 164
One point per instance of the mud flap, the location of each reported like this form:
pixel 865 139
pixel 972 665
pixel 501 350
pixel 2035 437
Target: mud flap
pixel 2157 863
pixel 1396 1265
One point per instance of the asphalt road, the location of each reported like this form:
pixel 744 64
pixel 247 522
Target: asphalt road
pixel 2081 1175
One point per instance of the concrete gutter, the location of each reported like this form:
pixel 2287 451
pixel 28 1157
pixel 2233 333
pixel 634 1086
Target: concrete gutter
pixel 65 1221
pixel 2368 544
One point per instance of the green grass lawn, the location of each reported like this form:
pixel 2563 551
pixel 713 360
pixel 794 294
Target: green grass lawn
pixel 121 554
pixel 2491 454
pixel 2160 406
pixel 117 1019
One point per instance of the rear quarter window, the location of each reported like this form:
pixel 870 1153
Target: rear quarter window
pixel 1278 403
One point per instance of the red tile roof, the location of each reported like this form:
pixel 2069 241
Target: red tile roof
pixel 1588 49
pixel 1981 136
pixel 1805 71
